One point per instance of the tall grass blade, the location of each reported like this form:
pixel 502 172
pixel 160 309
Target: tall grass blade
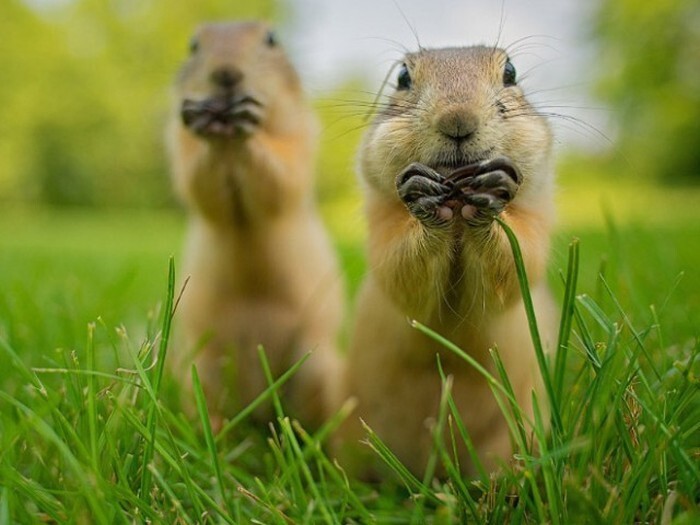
pixel 567 314
pixel 311 483
pixel 158 376
pixel 438 449
pixel 265 363
pixel 551 476
pixel 332 470
pixel 209 437
pixel 464 435
pixel 513 413
pixel 200 498
pixel 438 430
pixel 91 395
pixel 532 322
pixel 492 381
pixel 262 398
pixel 633 331
pixel 412 483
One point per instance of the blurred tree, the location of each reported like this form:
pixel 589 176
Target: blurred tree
pixel 650 53
pixel 85 94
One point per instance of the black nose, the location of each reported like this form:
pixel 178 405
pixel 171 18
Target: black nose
pixel 226 77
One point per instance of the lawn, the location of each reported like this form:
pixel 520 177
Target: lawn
pixel 89 433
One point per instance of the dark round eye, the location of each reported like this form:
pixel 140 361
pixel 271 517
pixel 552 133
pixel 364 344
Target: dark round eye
pixel 271 39
pixel 509 74
pixel 194 44
pixel 403 80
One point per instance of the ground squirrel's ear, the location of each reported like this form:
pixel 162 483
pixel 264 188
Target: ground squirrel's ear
pixel 403 80
pixel 509 74
pixel 271 39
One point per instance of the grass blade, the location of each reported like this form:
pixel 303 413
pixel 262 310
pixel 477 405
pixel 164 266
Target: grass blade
pixel 171 495
pixel 209 436
pixel 158 376
pixel 262 397
pixel 493 382
pixel 91 394
pixel 412 483
pixel 44 430
pixel 567 314
pixel 532 322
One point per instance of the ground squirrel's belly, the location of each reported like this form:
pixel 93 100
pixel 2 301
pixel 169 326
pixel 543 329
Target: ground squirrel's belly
pixel 242 144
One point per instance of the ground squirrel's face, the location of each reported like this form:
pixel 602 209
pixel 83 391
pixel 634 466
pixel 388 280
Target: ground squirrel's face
pixel 452 107
pixel 237 79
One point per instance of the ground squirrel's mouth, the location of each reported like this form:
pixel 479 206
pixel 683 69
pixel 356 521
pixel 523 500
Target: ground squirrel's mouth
pixel 222 116
pixel 446 163
pixel 459 175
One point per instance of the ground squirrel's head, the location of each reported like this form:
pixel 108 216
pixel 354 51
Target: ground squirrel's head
pixel 452 107
pixel 237 78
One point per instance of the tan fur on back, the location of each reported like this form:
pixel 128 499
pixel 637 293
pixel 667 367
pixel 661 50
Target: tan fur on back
pixel 460 279
pixel 261 268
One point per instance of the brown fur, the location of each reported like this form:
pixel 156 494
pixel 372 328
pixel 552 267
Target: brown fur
pixel 458 279
pixel 261 267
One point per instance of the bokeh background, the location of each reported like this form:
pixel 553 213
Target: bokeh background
pixel 85 82
pixel 88 216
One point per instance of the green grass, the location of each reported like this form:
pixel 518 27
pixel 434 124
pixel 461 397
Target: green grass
pixel 91 432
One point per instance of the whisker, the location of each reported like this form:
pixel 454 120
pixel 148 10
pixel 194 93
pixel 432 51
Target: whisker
pixel 513 47
pixel 396 45
pixel 580 124
pixel 411 27
pixel 501 25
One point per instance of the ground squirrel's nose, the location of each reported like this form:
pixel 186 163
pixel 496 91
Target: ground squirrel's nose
pixel 226 77
pixel 457 123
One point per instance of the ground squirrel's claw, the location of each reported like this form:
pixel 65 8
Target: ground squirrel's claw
pixel 424 192
pixel 222 116
pixel 502 164
pixel 497 184
pixel 485 188
pixel 416 168
pixel 478 191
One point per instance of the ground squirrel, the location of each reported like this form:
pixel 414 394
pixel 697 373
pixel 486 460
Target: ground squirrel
pixel 262 271
pixel 454 145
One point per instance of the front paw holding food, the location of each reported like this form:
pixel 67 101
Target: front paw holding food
pixel 484 188
pixel 424 192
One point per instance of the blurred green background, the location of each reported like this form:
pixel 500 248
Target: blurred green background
pixel 85 93
pixel 85 96
pixel 88 214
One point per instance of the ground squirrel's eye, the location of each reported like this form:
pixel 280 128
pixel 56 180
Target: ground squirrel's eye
pixel 271 39
pixel 403 80
pixel 194 44
pixel 509 74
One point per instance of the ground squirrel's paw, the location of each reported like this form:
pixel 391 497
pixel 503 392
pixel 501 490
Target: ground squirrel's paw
pixel 424 192
pixel 246 114
pixel 486 193
pixel 228 117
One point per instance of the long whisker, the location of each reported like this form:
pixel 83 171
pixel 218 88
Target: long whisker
pixel 411 27
pixel 514 46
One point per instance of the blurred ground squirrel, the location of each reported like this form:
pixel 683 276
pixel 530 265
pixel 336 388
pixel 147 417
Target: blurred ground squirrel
pixel 453 146
pixel 242 145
